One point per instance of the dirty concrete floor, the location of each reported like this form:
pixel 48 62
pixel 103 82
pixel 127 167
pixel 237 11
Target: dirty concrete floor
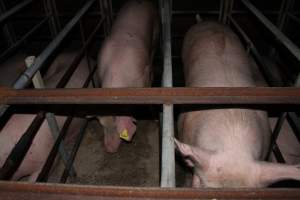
pixel 135 164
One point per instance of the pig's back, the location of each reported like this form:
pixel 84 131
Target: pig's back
pixel 214 57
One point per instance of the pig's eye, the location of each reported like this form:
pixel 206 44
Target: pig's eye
pixel 134 122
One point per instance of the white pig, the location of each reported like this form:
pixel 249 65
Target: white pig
pixel 125 60
pixel 226 147
pixel 18 123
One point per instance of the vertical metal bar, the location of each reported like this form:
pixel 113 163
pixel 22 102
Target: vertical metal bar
pixel 168 151
pixel 49 14
pixel 50 117
pixel 74 151
pixel 7 28
pixel 43 176
pixel 221 13
pixel 26 76
pixel 274 30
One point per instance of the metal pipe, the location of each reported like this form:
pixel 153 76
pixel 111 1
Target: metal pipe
pixel 26 76
pixel 274 30
pixel 50 117
pixel 18 153
pixel 67 75
pixel 20 41
pixel 7 28
pixel 168 151
pixel 43 176
pixel 285 96
pixel 73 152
pixel 14 10
pixel 263 66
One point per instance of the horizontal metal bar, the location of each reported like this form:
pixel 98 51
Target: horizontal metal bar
pixel 274 30
pixel 209 96
pixel 14 10
pixel 18 190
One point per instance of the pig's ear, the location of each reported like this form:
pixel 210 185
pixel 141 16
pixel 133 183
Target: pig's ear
pixel 273 172
pixel 194 156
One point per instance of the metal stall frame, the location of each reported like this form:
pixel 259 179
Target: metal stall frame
pixel 285 98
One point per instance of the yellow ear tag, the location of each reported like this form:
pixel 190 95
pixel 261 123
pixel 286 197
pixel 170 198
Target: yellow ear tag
pixel 124 135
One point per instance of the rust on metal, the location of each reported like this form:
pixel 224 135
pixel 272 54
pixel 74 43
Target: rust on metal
pixel 17 190
pixel 212 96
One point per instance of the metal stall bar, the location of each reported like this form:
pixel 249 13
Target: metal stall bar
pixel 295 18
pixel 279 35
pixel 26 76
pixel 285 96
pixel 49 13
pixel 16 156
pixel 25 37
pixel 274 30
pixel 38 82
pixel 14 10
pixel 250 46
pixel 286 6
pixel 43 176
pixel 8 31
pixel 167 178
pixel 19 190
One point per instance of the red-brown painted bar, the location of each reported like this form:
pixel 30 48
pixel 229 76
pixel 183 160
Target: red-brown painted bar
pixel 213 95
pixel 28 191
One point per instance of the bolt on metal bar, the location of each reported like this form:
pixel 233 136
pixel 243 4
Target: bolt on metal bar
pixel 50 117
pixel 14 10
pixel 16 156
pixel 26 76
pixel 168 151
pixel 274 30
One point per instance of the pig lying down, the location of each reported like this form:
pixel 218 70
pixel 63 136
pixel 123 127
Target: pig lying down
pixel 225 147
pixel 18 123
pixel 125 60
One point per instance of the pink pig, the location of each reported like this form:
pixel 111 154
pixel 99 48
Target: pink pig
pixel 125 60
pixel 18 123
pixel 225 147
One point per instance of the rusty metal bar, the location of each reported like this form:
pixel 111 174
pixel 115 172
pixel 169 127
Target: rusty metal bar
pixel 16 156
pixel 14 10
pixel 18 190
pixel 204 95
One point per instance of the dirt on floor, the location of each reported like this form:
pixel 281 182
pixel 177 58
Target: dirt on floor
pixel 135 164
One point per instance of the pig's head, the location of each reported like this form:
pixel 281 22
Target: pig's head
pixel 214 169
pixel 115 129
